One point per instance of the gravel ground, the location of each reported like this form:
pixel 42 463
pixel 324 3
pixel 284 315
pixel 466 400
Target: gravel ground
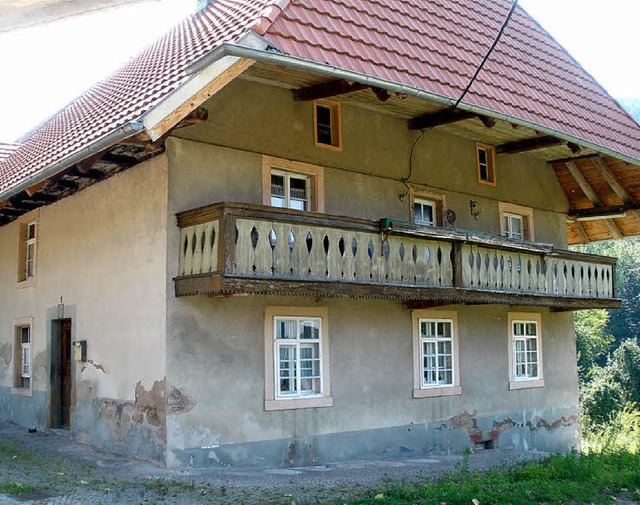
pixel 69 473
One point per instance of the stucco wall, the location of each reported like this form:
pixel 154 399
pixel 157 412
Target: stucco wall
pixel 215 347
pixel 217 358
pixel 103 251
pixel 364 179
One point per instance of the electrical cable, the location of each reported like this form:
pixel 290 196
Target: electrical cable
pixel 466 90
pixel 486 57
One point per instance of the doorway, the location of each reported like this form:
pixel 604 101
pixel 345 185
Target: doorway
pixel 61 373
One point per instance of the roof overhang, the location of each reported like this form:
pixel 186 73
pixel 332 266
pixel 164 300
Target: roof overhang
pixel 270 55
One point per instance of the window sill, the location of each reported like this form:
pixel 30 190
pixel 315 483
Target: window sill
pixel 22 392
pixel 434 392
pixel 298 403
pixel 526 384
pixel 27 283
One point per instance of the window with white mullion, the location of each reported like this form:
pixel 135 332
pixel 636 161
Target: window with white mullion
pixel 290 190
pixel 424 212
pixel 299 364
pixel 30 256
pixel 436 338
pixel 513 226
pixel 525 349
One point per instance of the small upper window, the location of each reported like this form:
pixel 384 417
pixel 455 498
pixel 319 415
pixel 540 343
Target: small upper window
pixel 516 221
pixel 289 190
pixel 292 185
pixel 424 212
pixel 513 226
pixel 327 124
pixel 485 158
pixel 27 251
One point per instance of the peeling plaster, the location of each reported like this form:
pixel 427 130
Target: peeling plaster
pixel 95 365
pixel 468 421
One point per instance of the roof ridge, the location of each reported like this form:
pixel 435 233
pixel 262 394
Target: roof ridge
pixel 269 16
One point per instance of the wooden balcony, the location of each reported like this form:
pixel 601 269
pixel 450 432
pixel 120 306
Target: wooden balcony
pixel 230 248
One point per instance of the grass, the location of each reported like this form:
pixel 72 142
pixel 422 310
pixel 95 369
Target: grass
pixel 570 479
pixel 590 478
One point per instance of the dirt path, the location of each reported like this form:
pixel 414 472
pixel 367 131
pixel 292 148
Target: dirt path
pixel 55 470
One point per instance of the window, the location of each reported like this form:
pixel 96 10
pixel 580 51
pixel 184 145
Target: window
pixel 292 184
pixel 435 354
pixel 296 358
pixel 485 159
pixel 27 251
pixel 525 355
pixel 289 190
pixel 516 222
pixel 426 207
pixel 22 356
pixel 327 124
pixel 424 212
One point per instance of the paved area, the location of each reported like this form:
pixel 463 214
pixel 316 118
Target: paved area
pixel 55 470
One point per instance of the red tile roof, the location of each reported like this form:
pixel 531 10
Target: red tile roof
pixel 436 45
pixel 431 45
pixel 7 150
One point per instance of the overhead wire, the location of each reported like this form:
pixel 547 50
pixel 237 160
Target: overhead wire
pixel 466 90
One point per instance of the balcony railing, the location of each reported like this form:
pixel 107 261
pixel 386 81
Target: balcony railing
pixel 236 248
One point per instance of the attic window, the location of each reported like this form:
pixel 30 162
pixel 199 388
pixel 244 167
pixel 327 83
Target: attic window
pixel 327 124
pixel 485 158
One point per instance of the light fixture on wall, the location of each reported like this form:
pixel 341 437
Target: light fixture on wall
pixel 61 309
pixel 474 209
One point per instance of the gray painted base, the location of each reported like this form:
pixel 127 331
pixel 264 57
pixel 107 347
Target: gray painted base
pixel 28 411
pixel 515 431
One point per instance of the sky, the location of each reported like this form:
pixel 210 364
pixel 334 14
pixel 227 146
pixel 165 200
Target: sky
pixel 47 66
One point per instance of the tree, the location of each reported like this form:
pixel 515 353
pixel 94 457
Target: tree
pixel 593 341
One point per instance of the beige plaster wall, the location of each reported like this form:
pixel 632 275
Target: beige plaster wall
pixel 217 356
pixel 364 179
pixel 103 251
pixel 215 347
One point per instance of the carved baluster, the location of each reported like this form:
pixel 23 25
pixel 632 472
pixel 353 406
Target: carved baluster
pixel 244 247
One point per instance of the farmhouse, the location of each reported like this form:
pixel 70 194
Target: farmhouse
pixel 294 232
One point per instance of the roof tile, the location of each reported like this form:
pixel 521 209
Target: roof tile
pixel 431 45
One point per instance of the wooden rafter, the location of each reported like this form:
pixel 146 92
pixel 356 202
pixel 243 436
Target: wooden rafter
pixel 579 229
pixel 327 90
pixel 615 184
pixel 35 188
pixel 592 197
pixel 604 211
pixel 520 146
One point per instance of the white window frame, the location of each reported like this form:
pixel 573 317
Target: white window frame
pixel 20 351
pixel 525 213
pixel 274 400
pixel 508 219
pixel 423 202
pixel 523 382
pixel 313 173
pixel 287 189
pixel 27 264
pixel 420 389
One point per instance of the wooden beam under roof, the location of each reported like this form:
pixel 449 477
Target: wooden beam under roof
pixel 592 197
pixel 327 90
pixel 531 144
pixel 604 211
pixel 439 118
